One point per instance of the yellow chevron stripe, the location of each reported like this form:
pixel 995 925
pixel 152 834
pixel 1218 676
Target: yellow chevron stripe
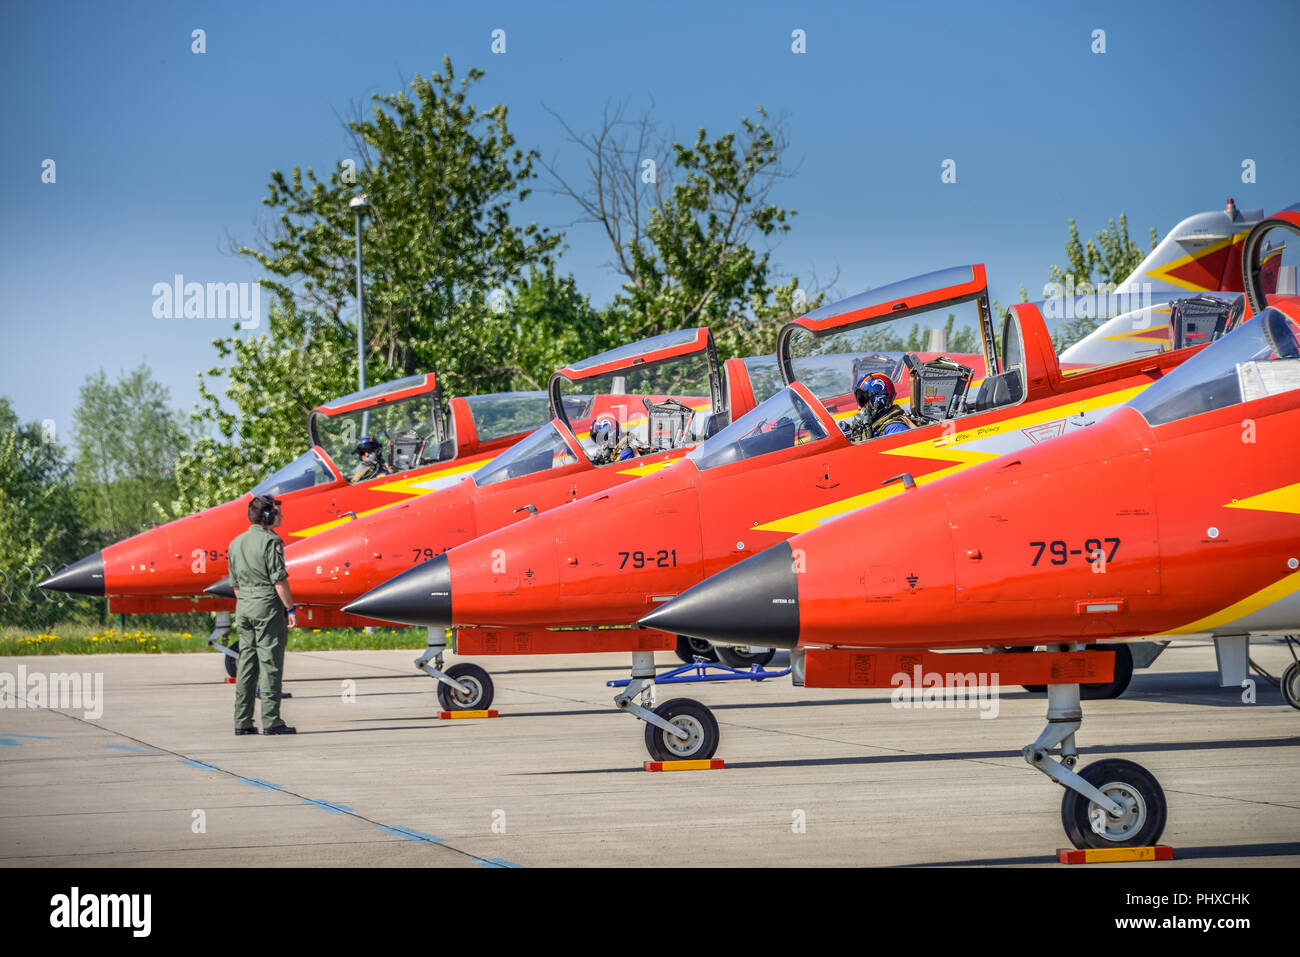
pixel 417 485
pixel 943 449
pixel 1285 499
pixel 1280 589
pixel 1143 335
pixel 650 468
pixel 1163 272
pixel 410 486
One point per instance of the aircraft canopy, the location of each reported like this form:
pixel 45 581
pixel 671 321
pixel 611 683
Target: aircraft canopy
pixel 940 313
pixel 1259 358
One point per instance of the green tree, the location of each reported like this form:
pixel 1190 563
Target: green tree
pixel 40 528
pixel 1107 259
pixel 128 440
pixel 1099 266
pixel 545 325
pixel 441 177
pixel 689 225
pixel 273 381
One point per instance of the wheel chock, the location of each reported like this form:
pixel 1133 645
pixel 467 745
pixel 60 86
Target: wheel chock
pixel 708 764
pixel 446 715
pixel 1113 855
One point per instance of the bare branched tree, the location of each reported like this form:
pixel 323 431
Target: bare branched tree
pixel 619 189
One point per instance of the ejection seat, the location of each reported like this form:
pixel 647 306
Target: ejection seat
pixel 667 423
pixel 998 390
pixel 404 451
pixel 939 388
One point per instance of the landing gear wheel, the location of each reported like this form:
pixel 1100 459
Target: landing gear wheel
pixel 742 658
pixel 1118 684
pixel 1132 787
pixel 479 696
pixel 1100 690
pixel 1291 685
pixel 693 718
pixel 232 664
pixel 688 649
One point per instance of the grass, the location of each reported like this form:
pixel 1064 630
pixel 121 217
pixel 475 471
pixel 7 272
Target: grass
pixel 78 639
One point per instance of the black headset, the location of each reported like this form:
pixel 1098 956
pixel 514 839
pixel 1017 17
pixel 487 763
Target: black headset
pixel 269 509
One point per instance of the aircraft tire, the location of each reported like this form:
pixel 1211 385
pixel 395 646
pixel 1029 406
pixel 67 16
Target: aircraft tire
pixel 1101 690
pixel 232 664
pixel 1135 788
pixel 742 659
pixel 1291 685
pixel 1118 683
pixel 480 685
pixel 699 723
pixel 689 648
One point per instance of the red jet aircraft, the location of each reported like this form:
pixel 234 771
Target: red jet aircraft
pixel 782 469
pixel 626 413
pixel 427 448
pixel 1183 519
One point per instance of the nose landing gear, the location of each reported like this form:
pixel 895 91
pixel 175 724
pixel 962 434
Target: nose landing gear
pixel 1110 803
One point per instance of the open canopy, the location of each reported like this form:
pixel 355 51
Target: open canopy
pixel 653 389
pixel 940 313
pixel 1270 258
pixel 407 416
pixel 661 393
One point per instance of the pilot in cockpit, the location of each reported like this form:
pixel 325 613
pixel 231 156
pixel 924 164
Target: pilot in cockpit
pixel 877 415
pixel 372 460
pixel 611 446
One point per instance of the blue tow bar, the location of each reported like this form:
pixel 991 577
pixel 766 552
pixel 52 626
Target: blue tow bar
pixel 679 676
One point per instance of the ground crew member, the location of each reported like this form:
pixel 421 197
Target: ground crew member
pixel 372 460
pixel 264 611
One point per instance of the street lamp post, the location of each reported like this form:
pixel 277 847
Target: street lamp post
pixel 359 205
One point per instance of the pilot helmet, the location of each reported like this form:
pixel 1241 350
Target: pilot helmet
pixel 368 444
pixel 875 390
pixel 604 432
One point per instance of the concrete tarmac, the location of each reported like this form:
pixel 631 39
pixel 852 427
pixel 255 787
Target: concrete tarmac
pixel 814 777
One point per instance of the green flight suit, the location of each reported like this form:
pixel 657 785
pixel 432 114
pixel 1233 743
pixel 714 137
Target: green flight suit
pixel 256 564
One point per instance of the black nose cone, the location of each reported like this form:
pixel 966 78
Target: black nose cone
pixel 421 596
pixel 222 589
pixel 85 577
pixel 753 603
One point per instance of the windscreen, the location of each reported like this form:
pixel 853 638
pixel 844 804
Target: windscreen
pixel 507 413
pixel 1258 358
pixel 781 422
pixel 303 472
pixel 544 449
pixel 832 362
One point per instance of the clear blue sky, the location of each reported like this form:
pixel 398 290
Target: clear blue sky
pixel 163 155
